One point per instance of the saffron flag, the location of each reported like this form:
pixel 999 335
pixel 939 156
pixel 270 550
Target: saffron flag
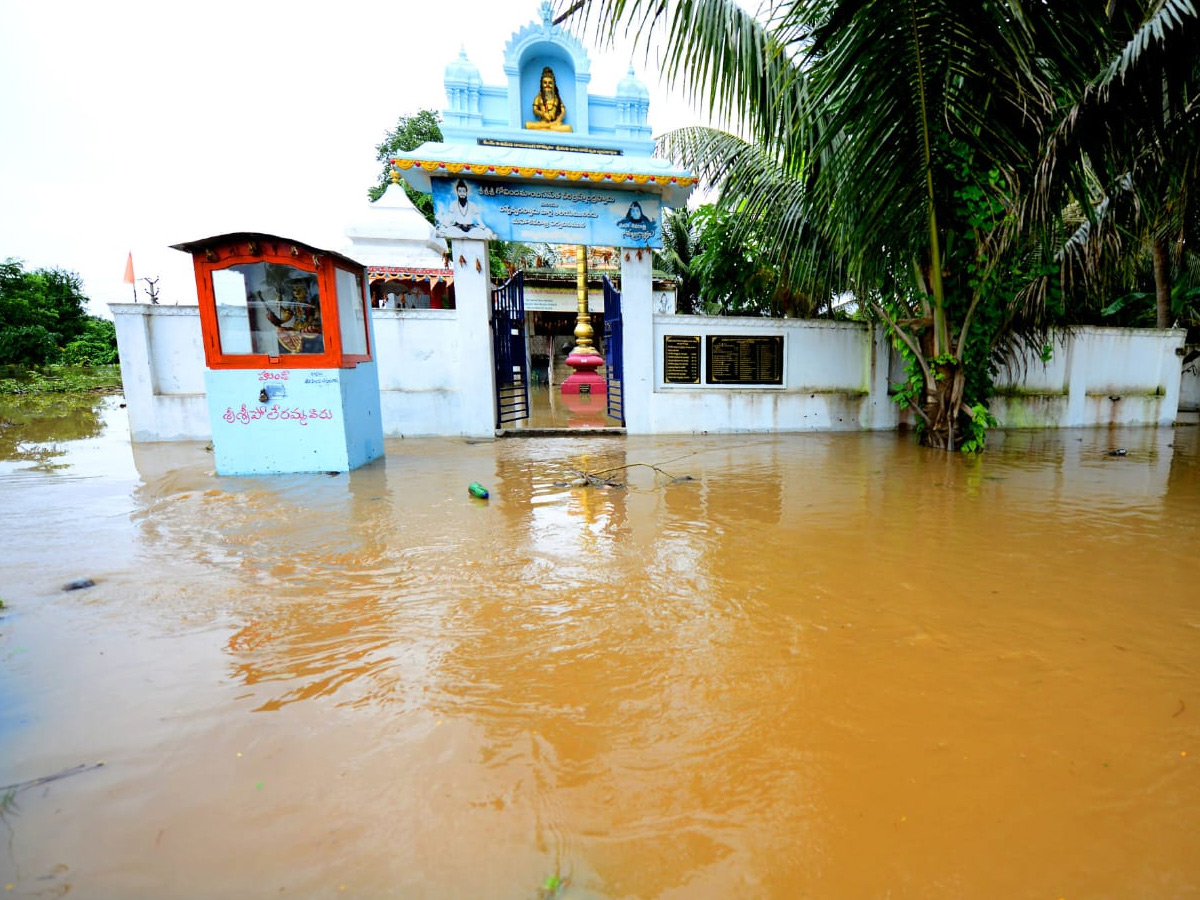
pixel 129 279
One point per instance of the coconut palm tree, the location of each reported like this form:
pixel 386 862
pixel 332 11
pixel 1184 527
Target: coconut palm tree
pixel 888 144
pixel 1128 149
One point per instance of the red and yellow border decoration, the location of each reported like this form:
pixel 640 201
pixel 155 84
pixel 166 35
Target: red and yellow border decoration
pixel 455 168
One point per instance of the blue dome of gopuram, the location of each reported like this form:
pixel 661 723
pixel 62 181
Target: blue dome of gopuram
pixel 631 88
pixel 462 72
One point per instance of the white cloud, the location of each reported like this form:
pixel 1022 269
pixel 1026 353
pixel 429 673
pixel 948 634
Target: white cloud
pixel 131 126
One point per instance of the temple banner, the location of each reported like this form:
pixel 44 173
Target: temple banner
pixel 546 213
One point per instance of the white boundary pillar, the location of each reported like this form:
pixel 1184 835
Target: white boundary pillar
pixel 637 313
pixel 473 301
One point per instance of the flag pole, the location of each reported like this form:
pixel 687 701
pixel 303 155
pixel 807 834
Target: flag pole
pixel 129 279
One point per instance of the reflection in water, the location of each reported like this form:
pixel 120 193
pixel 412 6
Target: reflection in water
pixel 31 427
pixel 550 408
pixel 811 665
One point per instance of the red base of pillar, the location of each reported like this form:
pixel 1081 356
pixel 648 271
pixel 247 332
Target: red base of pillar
pixel 584 380
pixel 584 383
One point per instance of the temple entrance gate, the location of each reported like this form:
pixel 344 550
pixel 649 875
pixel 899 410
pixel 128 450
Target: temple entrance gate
pixel 538 162
pixel 613 351
pixel 510 352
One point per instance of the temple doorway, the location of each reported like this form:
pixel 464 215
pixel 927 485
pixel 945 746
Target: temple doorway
pixel 551 339
pixel 551 300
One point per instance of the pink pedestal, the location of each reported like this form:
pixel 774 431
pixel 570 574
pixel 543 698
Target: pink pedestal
pixel 584 379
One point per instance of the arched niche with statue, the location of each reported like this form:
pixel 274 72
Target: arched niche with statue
pixel 515 111
pixel 542 56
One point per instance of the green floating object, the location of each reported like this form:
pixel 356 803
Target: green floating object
pixel 475 489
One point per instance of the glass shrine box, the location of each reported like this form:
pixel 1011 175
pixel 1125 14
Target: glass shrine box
pixel 291 380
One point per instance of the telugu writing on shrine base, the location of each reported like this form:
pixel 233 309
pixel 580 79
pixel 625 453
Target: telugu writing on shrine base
pixel 275 413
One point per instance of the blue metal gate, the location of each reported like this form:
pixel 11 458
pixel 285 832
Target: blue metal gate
pixel 613 352
pixel 508 342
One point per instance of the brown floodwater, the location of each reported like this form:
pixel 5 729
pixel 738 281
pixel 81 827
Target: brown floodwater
pixel 798 666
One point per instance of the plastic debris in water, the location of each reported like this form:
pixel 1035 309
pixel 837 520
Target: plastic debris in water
pixel 475 489
pixel 553 888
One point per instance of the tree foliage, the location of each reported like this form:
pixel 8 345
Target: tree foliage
pixel 43 319
pixel 681 247
pixel 1126 154
pixel 920 154
pixel 97 346
pixel 409 134
pixel 737 274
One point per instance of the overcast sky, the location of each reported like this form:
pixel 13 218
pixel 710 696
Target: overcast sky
pixel 130 126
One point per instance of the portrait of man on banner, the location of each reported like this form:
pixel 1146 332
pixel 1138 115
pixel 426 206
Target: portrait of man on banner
pixel 462 217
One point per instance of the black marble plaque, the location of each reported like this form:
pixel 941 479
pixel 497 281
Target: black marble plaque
pixel 681 359
pixel 745 360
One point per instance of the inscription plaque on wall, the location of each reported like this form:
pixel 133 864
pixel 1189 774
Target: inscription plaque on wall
pixel 681 358
pixel 745 360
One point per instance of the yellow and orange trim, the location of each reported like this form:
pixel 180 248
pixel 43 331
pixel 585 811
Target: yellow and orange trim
pixel 458 168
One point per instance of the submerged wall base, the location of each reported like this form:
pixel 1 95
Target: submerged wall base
pixel 835 378
pixel 270 422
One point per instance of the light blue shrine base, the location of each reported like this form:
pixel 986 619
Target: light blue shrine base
pixel 312 420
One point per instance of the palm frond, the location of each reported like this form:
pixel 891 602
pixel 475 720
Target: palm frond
pixel 1130 112
pixel 770 202
pixel 1167 22
pixel 725 59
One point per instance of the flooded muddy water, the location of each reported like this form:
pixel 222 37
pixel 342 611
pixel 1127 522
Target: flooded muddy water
pixel 821 666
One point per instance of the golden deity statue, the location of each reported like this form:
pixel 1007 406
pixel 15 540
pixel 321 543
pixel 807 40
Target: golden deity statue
pixel 548 108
